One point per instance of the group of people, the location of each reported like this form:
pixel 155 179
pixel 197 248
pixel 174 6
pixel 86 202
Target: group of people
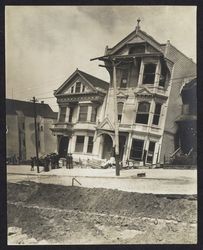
pixel 51 161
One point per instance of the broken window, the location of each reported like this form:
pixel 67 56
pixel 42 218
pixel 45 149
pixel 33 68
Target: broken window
pixel 120 111
pixel 124 78
pixel 79 143
pixel 143 113
pixel 90 144
pixel 136 151
pixel 150 152
pixel 83 113
pixel 94 114
pixel 157 113
pixel 62 114
pixel 149 73
pixel 77 87
pixel 162 78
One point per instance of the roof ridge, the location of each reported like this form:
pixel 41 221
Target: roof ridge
pixel 92 76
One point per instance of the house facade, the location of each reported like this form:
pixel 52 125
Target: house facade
pixel 148 77
pixel 20 136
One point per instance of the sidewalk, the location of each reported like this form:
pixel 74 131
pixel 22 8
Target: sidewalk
pixel 106 173
pixel 157 181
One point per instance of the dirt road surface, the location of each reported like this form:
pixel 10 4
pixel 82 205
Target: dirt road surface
pixel 165 181
pixel 54 214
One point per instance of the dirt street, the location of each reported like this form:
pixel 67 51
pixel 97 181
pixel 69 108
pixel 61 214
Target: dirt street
pixel 54 214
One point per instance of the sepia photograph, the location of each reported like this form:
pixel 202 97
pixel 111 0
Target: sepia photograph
pixel 101 124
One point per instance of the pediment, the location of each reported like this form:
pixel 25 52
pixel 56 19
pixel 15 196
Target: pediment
pixel 136 38
pixel 144 92
pixel 121 95
pixel 69 86
pixel 106 124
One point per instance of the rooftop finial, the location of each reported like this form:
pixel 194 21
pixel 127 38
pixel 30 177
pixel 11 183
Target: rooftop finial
pixel 138 23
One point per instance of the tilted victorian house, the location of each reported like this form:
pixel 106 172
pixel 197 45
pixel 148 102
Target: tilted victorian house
pixel 148 77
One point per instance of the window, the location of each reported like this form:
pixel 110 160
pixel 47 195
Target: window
pixel 79 143
pixel 143 113
pixel 23 126
pixel 70 114
pixel 90 144
pixel 120 111
pixel 149 73
pixel 83 113
pixel 72 89
pixel 94 114
pixel 136 149
pixel 62 114
pixel 41 128
pixel 162 78
pixel 83 88
pixel 124 78
pixel 150 152
pixel 156 114
pixel 77 87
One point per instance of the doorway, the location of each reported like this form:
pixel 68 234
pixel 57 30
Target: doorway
pixel 63 146
pixel 107 147
pixel 122 141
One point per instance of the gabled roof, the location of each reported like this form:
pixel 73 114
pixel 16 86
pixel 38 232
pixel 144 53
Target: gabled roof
pixel 137 36
pixel 93 81
pixel 42 109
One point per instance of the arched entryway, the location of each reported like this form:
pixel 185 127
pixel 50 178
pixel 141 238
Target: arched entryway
pixel 63 146
pixel 107 147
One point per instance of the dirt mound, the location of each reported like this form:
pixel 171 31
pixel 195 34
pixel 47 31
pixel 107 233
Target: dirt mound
pixel 99 200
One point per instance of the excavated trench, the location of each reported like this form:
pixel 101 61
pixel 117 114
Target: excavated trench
pixel 53 214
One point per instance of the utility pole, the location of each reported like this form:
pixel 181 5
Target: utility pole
pixel 36 132
pixel 116 121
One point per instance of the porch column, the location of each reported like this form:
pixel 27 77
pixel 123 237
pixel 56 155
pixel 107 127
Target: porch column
pixel 157 74
pixel 140 79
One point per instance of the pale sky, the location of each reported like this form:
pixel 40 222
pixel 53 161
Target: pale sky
pixel 45 44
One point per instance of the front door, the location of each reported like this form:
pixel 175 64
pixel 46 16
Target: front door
pixel 107 147
pixel 63 146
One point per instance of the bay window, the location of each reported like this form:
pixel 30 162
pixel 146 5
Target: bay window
pixel 149 73
pixel 143 113
pixel 157 113
pixel 79 143
pixel 62 114
pixel 83 113
pixel 136 151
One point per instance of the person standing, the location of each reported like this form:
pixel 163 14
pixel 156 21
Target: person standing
pixel 32 164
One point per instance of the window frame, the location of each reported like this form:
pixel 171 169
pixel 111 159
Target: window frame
pixel 86 113
pixel 142 113
pixel 62 115
pixel 124 76
pixel 150 153
pixel 90 144
pixel 157 115
pixel 93 114
pixel 120 114
pixel 133 150
pixel 79 145
pixel 145 75
pixel 76 87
